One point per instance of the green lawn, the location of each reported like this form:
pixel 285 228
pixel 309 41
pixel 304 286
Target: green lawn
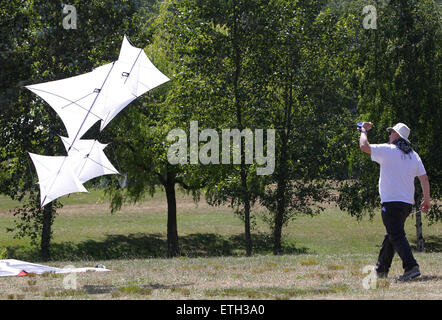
pixel 85 228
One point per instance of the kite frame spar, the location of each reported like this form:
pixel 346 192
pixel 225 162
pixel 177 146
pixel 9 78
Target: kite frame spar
pixel 117 95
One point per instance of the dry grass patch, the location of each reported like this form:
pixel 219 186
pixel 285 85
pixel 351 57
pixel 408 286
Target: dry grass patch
pixel 279 277
pixel 320 275
pixel 335 267
pixel 275 292
pixel 130 290
pixel 309 262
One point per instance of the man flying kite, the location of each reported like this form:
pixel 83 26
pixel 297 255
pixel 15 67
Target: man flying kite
pixel 400 164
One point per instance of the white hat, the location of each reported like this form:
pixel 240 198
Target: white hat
pixel 402 130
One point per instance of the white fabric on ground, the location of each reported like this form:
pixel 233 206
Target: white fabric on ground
pixel 12 267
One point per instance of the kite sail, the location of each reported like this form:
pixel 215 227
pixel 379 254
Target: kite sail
pixel 81 101
pixel 88 159
pixel 56 177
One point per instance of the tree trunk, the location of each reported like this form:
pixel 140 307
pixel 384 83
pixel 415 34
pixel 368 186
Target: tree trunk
pixel 283 179
pixel 277 233
pixel 410 55
pixel 46 232
pixel 280 197
pixel 172 229
pixel 420 238
pixel 237 101
pixel 420 242
pixel 246 200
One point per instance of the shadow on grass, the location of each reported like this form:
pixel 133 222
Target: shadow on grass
pixel 104 289
pixel 141 246
pixel 432 244
pixel 425 278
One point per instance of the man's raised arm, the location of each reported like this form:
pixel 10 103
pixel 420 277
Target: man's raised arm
pixel 364 145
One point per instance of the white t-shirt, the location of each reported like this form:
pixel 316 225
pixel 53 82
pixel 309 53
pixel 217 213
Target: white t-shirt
pixel 398 171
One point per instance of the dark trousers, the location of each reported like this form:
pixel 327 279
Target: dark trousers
pixel 394 215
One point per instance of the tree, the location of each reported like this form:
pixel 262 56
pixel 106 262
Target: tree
pixel 214 43
pixel 309 106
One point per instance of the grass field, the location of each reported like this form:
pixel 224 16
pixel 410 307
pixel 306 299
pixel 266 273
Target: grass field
pixel 324 255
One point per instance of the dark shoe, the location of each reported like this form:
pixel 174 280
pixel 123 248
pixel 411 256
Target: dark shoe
pixel 410 274
pixel 381 274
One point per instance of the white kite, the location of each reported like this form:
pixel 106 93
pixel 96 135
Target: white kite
pixel 81 101
pixel 88 160
pixel 56 177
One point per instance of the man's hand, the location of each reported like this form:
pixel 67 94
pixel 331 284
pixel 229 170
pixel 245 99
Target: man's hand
pixel 425 184
pixel 367 125
pixel 425 205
